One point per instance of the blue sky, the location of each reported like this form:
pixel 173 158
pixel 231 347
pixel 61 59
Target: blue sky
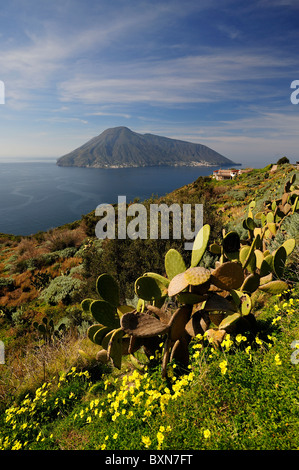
pixel 217 72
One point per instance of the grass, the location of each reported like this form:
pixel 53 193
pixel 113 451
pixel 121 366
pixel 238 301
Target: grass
pixel 242 396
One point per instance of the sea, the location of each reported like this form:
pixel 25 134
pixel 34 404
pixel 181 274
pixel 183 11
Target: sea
pixel 39 195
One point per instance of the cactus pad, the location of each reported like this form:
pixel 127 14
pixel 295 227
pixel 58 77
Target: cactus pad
pixel 198 323
pixel 215 249
pixel 142 325
pixel 217 303
pixel 216 318
pixel 197 275
pixel 228 276
pixel 200 244
pixel 249 224
pixel 160 279
pixel 259 257
pixel 174 263
pixel 102 356
pixel 104 313
pixel 163 314
pixel 215 336
pixel 251 283
pixel 106 339
pixel 190 298
pixel 266 266
pixel 149 288
pixel 250 260
pixel 229 321
pixel 93 329
pixel 178 322
pixel 231 244
pixel 100 335
pixel 272 227
pixel 180 352
pixel 115 350
pixel 243 254
pixel 274 287
pixel 121 309
pixel 85 304
pixel 177 284
pixel 108 289
pixel 245 304
pixel 289 245
pixel 279 259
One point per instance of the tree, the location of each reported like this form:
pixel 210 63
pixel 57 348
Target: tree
pixel 283 160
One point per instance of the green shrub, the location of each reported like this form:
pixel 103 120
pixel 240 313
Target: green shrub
pixel 6 283
pixel 63 289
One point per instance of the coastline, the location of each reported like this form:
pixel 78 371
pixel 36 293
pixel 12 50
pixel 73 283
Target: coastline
pixel 177 164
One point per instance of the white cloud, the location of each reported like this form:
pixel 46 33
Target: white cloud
pixel 105 113
pixel 114 65
pixel 207 77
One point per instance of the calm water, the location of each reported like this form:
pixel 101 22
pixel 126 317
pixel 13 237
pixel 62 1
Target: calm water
pixel 36 196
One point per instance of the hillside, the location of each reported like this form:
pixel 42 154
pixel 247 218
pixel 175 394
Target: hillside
pixel 57 393
pixel 119 147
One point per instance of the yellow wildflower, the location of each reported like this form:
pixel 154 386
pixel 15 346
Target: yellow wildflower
pixel 240 338
pixel 277 360
pixel 223 367
pixel 146 441
pixel 160 438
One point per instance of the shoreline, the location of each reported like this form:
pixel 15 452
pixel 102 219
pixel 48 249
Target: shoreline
pixel 189 165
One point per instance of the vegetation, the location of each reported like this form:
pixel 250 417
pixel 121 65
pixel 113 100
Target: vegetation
pixel 68 383
pixel 283 160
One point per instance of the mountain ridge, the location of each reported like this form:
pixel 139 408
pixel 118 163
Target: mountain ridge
pixel 120 147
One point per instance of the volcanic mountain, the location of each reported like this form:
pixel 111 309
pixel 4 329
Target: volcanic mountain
pixel 119 147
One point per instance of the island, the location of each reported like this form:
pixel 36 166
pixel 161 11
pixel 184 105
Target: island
pixel 120 147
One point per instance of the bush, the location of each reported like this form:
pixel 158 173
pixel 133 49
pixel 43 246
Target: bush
pixel 6 283
pixel 283 160
pixel 63 289
pixel 60 239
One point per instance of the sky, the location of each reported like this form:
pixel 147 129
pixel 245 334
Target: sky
pixel 215 72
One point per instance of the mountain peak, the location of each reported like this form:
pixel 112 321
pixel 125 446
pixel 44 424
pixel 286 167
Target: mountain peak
pixel 120 147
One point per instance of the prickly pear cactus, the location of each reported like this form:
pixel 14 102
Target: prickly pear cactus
pixel 106 311
pixel 48 330
pixel 190 300
pixel 215 301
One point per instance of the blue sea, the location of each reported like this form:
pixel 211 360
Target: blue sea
pixel 38 195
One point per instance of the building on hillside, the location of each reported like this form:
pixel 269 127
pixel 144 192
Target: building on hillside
pixel 228 174
pixel 224 174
